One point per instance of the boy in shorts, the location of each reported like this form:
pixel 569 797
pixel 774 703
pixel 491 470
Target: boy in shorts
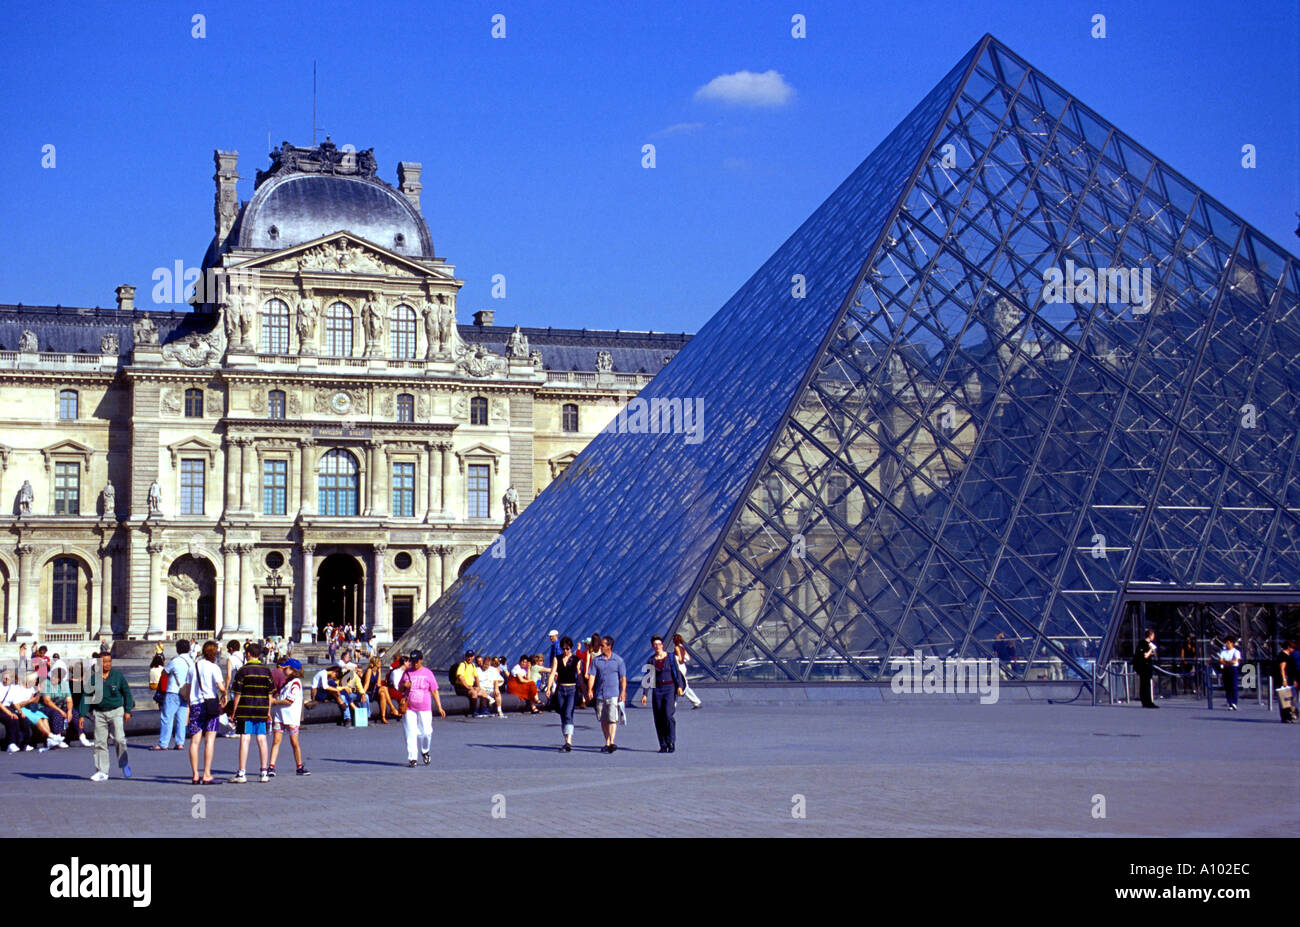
pixel 288 714
pixel 253 687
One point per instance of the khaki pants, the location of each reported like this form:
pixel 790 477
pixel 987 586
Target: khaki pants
pixel 103 721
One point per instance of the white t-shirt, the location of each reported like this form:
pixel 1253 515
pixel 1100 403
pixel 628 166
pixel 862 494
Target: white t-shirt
pixel 519 672
pixel 290 715
pixel 397 678
pixel 322 681
pixel 207 676
pixel 488 678
pixel 1230 654
pixel 15 694
pixel 233 663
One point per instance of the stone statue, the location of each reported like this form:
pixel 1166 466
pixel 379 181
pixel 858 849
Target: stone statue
pixel 307 324
pixel 247 304
pixel 372 314
pixel 25 498
pixel 155 498
pixel 432 329
pixel 536 358
pixel 510 502
pixel 144 331
pixel 517 346
pixel 604 362
pixel 27 342
pixel 108 344
pixel 230 314
pixel 447 335
pixel 109 499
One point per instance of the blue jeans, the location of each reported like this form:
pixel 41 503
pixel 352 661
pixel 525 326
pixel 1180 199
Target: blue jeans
pixel 567 696
pixel 175 716
pixel 1230 684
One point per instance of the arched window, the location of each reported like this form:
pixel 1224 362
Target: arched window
pixel 570 417
pixel 405 407
pixel 68 405
pixel 63 608
pixel 401 326
pixel 275 327
pixel 478 411
pixel 194 403
pixel 338 483
pixel 275 404
pixel 338 330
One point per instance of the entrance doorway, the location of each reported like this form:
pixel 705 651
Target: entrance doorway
pixel 340 593
pixel 273 616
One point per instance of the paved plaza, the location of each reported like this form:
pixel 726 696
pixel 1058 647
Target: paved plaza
pixel 917 768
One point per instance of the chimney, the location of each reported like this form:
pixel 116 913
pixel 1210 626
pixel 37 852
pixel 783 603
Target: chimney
pixel 125 298
pixel 483 317
pixel 227 202
pixel 408 176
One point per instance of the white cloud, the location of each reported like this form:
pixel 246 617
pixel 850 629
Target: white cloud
pixel 745 88
pixel 679 128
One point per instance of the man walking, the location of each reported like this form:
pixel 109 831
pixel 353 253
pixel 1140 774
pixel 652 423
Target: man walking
pixel 607 684
pixel 112 709
pixel 1144 665
pixel 420 687
pixel 668 682
pixel 1230 666
pixel 1284 675
pixel 175 713
pixel 253 686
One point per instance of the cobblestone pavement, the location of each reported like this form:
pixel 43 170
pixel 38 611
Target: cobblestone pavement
pixel 918 768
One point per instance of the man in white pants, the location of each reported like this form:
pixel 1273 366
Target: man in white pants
pixel 420 687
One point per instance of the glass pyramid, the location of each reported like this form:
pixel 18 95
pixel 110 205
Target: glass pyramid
pixel 925 429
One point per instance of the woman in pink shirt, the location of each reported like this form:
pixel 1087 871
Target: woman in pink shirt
pixel 420 687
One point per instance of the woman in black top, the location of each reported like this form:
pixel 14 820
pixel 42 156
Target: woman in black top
pixel 565 681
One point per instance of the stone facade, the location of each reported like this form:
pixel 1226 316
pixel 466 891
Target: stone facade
pixel 318 440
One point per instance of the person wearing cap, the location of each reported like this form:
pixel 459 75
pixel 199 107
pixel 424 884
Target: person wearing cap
pixel 466 681
pixel 553 652
pixel 287 706
pixel 420 687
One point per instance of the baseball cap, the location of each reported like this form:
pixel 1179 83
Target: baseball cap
pixel 416 655
pixel 291 663
pixel 552 633
pixel 468 654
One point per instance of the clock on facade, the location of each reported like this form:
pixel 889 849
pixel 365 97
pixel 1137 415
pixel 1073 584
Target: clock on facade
pixel 341 403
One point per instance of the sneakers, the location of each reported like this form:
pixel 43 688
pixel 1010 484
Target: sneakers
pixel 126 771
pixel 613 747
pixel 28 749
pixel 270 771
pixel 265 777
pixel 85 741
pixel 568 748
pixel 62 744
pixel 239 777
pixel 14 748
pixel 426 757
pixel 500 714
pixel 99 777
pixel 42 748
pixel 303 771
pixel 410 764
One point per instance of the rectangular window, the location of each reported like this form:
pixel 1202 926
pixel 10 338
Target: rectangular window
pixel 67 488
pixel 275 487
pixel 68 405
pixel 171 613
pixel 404 490
pixel 192 476
pixel 403 614
pixel 479 486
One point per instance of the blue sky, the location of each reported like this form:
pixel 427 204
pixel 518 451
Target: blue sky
pixel 531 144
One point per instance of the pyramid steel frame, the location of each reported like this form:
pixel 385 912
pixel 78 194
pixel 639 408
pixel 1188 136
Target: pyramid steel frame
pixel 1014 374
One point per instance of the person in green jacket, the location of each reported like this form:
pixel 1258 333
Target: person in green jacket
pixel 110 700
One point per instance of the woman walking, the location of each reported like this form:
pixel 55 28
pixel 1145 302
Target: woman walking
pixel 564 682
pixel 682 658
pixel 206 695
pixel 420 687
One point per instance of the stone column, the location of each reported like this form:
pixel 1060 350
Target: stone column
pixel 247 602
pixel 105 629
pixel 378 619
pixel 157 594
pixel 232 478
pixel 219 606
pixel 379 483
pixel 431 578
pixel 307 595
pixel 230 607
pixel 443 554
pixel 429 472
pixel 29 588
pixel 245 490
pixel 306 485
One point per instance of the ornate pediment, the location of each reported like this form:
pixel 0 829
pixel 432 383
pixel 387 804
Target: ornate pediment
pixel 192 447
pixel 480 451
pixel 560 462
pixel 339 253
pixel 67 448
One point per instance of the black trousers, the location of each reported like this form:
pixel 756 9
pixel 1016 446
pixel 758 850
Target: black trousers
pixel 663 699
pixel 18 730
pixel 1146 688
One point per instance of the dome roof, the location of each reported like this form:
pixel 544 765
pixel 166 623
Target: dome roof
pixel 292 205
